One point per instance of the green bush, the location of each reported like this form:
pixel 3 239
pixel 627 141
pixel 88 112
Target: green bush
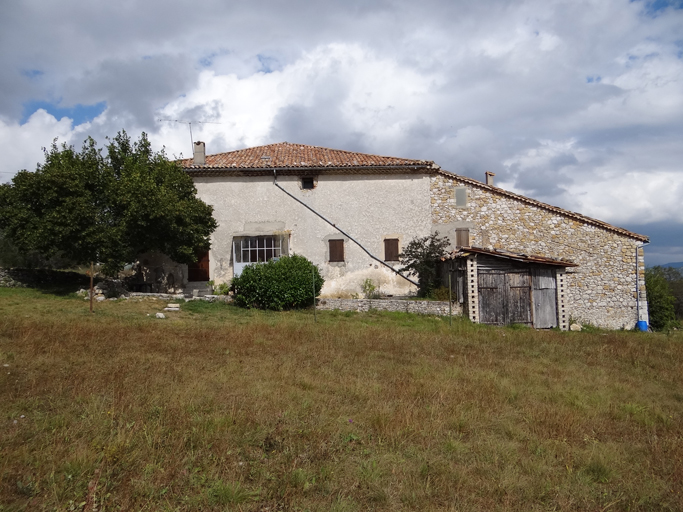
pixel 283 284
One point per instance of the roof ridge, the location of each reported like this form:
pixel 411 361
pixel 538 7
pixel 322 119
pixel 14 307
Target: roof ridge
pixel 541 204
pixel 345 151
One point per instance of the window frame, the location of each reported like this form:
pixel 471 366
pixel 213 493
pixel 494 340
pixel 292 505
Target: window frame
pixel 258 249
pixel 339 243
pixel 461 197
pixel 396 252
pixel 461 233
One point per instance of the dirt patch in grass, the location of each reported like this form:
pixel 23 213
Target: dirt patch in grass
pixel 217 408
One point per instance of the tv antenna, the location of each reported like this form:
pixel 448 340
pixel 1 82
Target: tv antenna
pixel 189 124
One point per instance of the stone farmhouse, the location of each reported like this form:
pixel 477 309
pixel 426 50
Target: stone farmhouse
pixel 514 259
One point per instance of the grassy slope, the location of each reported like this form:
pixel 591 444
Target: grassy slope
pixel 217 408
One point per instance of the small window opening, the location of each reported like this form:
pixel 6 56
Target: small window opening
pixel 307 183
pixel 462 237
pixel 391 249
pixel 336 251
pixel 461 197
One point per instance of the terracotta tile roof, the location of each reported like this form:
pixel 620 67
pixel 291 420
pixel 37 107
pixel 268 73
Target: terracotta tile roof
pixel 287 155
pixel 534 202
pixel 303 159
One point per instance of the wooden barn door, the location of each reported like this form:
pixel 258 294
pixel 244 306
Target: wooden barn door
pixel 492 298
pixel 544 286
pixel 504 294
pixel 518 288
pixel 199 270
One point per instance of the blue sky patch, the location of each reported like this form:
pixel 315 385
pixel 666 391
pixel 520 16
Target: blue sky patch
pixel 593 79
pixel 79 113
pixel 32 73
pixel 655 7
pixel 268 64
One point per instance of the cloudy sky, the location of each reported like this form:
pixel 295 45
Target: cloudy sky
pixel 578 103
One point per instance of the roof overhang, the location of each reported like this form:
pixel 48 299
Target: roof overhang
pixel 501 253
pixel 201 171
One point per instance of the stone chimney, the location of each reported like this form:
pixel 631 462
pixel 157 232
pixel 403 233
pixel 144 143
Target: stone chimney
pixel 489 178
pixel 199 153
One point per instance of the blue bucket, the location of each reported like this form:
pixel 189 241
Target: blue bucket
pixel 642 325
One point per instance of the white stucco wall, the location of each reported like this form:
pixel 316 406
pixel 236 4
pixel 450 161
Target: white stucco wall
pixel 369 208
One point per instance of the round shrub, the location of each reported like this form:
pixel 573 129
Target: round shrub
pixel 283 284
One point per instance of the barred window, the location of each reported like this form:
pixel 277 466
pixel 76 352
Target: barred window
pixel 254 249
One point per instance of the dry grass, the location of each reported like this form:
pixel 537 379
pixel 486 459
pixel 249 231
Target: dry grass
pixel 217 408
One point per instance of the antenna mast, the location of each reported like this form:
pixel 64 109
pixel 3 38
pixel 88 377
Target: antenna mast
pixel 189 124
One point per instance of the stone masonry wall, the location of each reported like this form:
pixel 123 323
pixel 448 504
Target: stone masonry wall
pixel 600 291
pixel 423 307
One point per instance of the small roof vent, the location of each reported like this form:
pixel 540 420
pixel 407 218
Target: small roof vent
pixel 489 178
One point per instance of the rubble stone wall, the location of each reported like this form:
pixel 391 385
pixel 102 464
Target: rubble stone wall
pixel 600 291
pixel 423 307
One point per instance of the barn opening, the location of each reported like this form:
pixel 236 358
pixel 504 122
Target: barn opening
pixel 507 288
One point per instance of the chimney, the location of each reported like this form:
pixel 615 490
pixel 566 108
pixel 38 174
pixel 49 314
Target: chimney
pixel 199 153
pixel 489 177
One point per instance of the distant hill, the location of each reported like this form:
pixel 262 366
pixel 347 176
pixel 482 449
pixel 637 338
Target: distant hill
pixel 673 265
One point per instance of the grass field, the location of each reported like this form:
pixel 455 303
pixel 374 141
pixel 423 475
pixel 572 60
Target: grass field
pixel 217 408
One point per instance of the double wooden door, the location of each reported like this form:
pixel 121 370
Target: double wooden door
pixel 505 298
pixel 518 296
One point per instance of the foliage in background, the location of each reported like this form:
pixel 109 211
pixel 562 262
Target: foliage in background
pixel 85 207
pixel 280 284
pixel 674 277
pixel 11 257
pixel 660 299
pixel 421 257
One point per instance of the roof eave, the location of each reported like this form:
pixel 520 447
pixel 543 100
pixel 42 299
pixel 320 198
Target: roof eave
pixel 546 206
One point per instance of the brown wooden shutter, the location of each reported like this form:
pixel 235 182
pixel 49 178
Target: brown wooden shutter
pixel 391 249
pixel 462 237
pixel 336 250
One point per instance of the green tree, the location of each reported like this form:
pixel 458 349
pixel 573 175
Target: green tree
pixel 86 206
pixel 660 299
pixel 421 257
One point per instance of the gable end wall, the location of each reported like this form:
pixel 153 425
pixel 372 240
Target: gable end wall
pixel 600 291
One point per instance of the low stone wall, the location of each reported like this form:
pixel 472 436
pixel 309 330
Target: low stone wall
pixel 39 278
pixel 423 307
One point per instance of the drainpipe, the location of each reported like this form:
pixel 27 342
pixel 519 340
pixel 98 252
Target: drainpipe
pixel 642 325
pixel 338 229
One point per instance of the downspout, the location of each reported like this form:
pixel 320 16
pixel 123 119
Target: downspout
pixel 642 325
pixel 340 230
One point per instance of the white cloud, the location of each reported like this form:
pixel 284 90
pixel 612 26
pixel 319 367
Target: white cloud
pixel 574 104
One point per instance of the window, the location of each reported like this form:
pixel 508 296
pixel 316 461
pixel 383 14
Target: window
pixel 391 249
pixel 462 237
pixel 307 183
pixel 460 197
pixel 336 251
pixel 253 249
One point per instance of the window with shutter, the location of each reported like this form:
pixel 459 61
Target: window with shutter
pixel 462 237
pixel 336 251
pixel 391 249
